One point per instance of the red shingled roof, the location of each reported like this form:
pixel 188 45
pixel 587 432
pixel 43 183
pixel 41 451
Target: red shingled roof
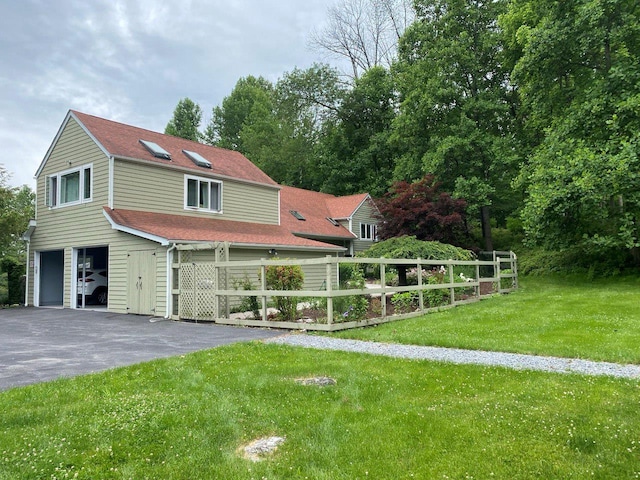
pixel 314 207
pixel 122 140
pixel 344 207
pixel 180 228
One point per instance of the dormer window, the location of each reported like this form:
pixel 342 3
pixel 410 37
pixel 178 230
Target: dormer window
pixel 333 222
pixel 297 214
pixel 198 159
pixel 155 150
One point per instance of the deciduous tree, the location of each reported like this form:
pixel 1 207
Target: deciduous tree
pixel 576 64
pixel 17 207
pixel 456 116
pixel 365 32
pixel 423 210
pixel 249 102
pixel 356 154
pixel 185 122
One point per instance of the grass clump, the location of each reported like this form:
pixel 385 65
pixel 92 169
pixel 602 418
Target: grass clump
pixel 185 417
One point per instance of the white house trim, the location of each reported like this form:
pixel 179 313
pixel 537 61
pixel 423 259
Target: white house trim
pixel 138 233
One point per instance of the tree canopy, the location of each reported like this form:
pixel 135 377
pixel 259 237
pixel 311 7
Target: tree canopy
pixel 456 112
pixel 186 120
pixel 576 64
pixel 422 210
pixel 356 154
pixel 528 110
pixel 409 246
pixel 17 207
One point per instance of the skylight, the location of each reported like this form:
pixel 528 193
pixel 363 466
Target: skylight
pixel 198 159
pixel 333 222
pixel 155 149
pixel 297 214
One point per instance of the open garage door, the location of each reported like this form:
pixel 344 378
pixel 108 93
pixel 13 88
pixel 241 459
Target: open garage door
pixel 51 279
pixel 92 267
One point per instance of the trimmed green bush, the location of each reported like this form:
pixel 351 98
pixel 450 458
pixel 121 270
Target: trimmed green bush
pixel 285 277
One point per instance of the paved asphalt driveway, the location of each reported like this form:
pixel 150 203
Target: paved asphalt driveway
pixel 41 344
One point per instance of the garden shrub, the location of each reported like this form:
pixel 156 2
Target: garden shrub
pixel 439 297
pixel 247 304
pixel 285 277
pixel 411 247
pixel 405 302
pixel 351 307
pixel 15 281
pixel 506 282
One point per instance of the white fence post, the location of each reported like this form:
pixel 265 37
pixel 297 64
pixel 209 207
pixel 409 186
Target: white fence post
pixel 329 291
pixel 453 291
pixel 420 292
pixel 383 295
pixel 263 287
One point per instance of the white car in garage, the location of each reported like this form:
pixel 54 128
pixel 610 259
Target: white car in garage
pixel 94 284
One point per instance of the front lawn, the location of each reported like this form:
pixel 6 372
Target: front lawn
pixel 186 417
pixel 559 316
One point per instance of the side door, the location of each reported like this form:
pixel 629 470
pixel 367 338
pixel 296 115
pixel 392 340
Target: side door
pixel 141 284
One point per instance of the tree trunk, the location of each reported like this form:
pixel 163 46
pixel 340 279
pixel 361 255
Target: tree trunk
pixel 402 275
pixel 485 219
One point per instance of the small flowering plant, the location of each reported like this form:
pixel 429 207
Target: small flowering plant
pixel 466 279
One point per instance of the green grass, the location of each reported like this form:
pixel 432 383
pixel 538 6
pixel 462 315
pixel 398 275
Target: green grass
pixel 560 316
pixel 185 417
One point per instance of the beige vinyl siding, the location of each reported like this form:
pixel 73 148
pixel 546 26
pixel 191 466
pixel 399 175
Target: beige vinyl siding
pixel 314 275
pixel 84 225
pixel 153 188
pixel 364 214
pixel 56 226
pixel 120 245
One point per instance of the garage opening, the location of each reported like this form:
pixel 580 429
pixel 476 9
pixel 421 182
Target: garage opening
pixel 51 278
pixel 92 285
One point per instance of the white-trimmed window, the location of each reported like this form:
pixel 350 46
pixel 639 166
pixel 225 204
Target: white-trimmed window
pixel 202 194
pixel 368 231
pixel 70 187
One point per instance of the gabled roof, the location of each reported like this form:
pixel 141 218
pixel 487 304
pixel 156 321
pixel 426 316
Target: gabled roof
pixel 345 207
pixel 123 141
pixel 317 208
pixel 166 229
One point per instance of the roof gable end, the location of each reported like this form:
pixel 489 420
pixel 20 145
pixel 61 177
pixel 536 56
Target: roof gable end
pixel 69 116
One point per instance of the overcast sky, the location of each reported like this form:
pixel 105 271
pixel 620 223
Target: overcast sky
pixel 133 60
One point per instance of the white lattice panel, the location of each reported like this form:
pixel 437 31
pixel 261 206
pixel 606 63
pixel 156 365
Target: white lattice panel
pixel 198 291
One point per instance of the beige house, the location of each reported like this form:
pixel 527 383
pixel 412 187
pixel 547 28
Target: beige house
pixel 116 203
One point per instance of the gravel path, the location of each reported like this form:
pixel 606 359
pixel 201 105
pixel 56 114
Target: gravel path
pixel 455 355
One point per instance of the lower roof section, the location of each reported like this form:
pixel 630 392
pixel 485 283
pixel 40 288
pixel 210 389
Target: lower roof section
pixel 167 229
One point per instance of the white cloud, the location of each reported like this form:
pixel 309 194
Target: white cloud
pixel 133 61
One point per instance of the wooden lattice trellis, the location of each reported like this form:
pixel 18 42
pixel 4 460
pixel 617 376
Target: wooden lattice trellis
pixel 198 282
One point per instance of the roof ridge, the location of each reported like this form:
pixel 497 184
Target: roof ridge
pixel 76 112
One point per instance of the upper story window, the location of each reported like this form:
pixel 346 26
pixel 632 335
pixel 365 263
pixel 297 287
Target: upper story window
pixel 69 187
pixel 202 194
pixel 368 231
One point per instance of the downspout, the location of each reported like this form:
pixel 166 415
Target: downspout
pixel 352 248
pixel 26 282
pixel 111 173
pixel 26 236
pixel 169 299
